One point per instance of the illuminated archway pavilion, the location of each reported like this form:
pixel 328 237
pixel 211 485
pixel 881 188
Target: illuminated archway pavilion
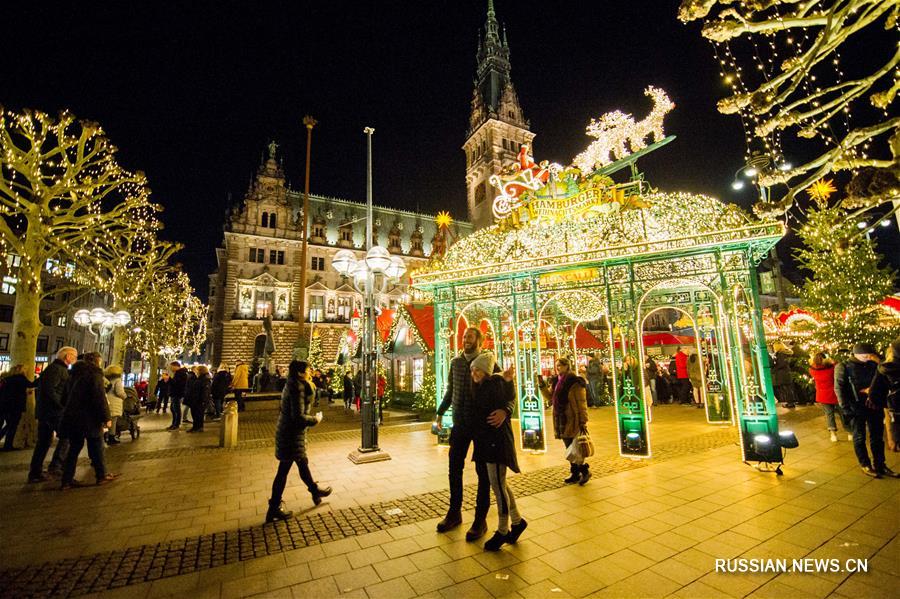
pixel 587 250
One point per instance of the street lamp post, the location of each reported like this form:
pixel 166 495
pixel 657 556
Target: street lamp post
pixel 757 164
pixel 370 276
pixel 309 123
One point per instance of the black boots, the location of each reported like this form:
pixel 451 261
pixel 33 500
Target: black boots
pixel 318 493
pixel 495 542
pixel 276 513
pixel 585 472
pixel 477 530
pixel 580 473
pixel 450 521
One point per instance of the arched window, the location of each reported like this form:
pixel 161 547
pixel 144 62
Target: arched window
pixel 272 220
pixel 265 219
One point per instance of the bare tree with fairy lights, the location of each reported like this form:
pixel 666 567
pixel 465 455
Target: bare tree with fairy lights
pixel 64 201
pixel 168 321
pixel 783 62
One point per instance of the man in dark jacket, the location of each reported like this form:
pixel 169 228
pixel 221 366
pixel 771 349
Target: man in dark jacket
pixel 885 392
pixel 852 380
pixel 84 418
pixel 177 389
pixel 459 396
pixel 51 400
pixel 162 393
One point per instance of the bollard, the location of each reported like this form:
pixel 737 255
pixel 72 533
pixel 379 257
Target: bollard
pixel 228 434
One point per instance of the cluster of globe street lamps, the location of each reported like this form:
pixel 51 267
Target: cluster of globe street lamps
pixel 102 318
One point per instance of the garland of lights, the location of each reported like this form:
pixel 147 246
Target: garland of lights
pixel 847 284
pixel 64 200
pixel 798 84
pixel 667 216
pixel 580 306
pixel 617 134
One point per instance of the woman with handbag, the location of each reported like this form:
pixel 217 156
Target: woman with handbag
pixel 495 447
pixel 290 439
pixel 567 394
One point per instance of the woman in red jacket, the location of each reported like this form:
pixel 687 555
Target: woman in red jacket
pixel 821 369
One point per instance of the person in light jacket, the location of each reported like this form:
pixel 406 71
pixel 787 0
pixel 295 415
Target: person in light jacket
pixel 115 396
pixel 240 384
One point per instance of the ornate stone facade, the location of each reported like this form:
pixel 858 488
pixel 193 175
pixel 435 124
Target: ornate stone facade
pixel 259 264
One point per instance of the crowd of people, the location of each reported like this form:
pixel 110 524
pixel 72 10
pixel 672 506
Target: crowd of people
pixel 678 380
pixel 863 392
pixel 78 403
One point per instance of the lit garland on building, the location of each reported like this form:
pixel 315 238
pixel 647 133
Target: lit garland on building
pixel 668 216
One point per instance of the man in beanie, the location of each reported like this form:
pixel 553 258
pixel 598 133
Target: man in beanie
pixel 459 396
pixel 852 380
pixel 885 392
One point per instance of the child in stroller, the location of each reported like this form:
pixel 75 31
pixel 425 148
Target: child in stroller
pixel 131 413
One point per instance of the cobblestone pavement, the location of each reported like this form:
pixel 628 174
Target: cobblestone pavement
pixel 256 431
pixel 677 436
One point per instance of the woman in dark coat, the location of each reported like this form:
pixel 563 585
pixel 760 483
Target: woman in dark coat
pixel 220 384
pixel 495 447
pixel 13 391
pixel 782 381
pixel 290 440
pixel 197 397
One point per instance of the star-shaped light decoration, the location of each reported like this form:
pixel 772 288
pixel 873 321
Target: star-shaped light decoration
pixel 821 190
pixel 443 219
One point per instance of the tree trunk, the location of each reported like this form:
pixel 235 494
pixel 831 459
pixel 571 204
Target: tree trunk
pixel 117 353
pixel 154 375
pixel 26 327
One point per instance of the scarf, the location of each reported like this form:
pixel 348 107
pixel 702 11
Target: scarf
pixel 561 391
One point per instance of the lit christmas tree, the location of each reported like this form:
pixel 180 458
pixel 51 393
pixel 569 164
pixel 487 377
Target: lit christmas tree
pixel 847 283
pixel 316 360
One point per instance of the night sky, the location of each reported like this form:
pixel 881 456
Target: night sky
pixel 192 94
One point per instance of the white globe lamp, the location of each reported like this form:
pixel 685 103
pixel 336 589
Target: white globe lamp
pixel 378 259
pixel 344 262
pixel 98 316
pixel 396 268
pixel 82 318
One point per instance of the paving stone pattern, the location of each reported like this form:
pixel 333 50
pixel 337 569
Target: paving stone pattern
pixel 111 570
pixel 249 444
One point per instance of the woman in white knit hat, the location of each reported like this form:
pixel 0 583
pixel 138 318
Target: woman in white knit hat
pixel 495 447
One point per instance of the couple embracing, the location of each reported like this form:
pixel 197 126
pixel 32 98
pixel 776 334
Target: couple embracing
pixel 483 402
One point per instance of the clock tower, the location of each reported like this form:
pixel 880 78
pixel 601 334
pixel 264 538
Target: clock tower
pixel 497 126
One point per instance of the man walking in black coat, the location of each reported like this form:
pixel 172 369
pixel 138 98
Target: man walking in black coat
pixel 51 400
pixel 852 380
pixel 459 396
pixel 84 418
pixel 177 389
